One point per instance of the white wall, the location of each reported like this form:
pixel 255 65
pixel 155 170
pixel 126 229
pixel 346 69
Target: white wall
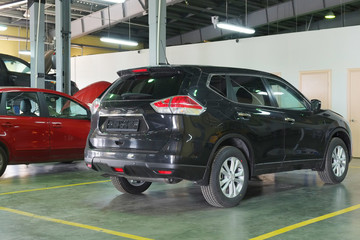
pixel 103 67
pixel 333 49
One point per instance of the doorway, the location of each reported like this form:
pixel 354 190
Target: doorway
pixel 317 85
pixel 354 108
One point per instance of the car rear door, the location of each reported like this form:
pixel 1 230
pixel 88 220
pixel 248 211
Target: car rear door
pixel 23 128
pixel 255 119
pixel 69 126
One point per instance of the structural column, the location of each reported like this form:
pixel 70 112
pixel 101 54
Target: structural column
pixel 63 42
pixel 37 36
pixel 157 32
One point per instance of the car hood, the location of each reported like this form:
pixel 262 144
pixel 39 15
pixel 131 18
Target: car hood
pixel 90 93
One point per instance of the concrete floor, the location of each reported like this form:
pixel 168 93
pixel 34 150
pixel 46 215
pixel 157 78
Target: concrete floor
pixel 67 201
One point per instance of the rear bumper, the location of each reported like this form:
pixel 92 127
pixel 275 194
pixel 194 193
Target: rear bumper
pixel 142 165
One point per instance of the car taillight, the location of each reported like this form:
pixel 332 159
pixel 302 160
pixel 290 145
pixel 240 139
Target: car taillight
pixel 121 170
pixel 178 105
pixel 165 172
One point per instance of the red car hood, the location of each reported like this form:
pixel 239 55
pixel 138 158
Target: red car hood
pixel 90 93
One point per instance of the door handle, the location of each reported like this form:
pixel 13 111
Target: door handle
pixel 7 124
pixel 244 115
pixel 56 125
pixel 290 120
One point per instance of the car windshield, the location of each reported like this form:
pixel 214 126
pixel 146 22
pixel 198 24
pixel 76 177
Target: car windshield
pixel 145 87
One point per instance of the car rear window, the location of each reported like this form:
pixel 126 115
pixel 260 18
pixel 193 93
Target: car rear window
pixel 153 86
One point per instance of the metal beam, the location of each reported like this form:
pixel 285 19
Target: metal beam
pixel 120 12
pixel 37 36
pixel 273 14
pixel 63 46
pixel 157 32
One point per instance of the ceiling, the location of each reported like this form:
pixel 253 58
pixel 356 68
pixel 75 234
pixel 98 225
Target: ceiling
pixel 189 21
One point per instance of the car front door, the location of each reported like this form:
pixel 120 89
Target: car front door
pixel 23 128
pixel 69 127
pixel 18 72
pixel 304 130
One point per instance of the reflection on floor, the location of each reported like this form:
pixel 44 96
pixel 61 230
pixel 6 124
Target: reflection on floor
pixel 273 201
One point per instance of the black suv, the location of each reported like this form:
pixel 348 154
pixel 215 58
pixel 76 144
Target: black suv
pixel 215 126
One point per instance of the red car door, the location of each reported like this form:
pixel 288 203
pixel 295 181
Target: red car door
pixel 22 128
pixel 69 126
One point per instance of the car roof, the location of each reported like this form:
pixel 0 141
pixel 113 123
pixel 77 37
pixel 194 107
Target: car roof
pixel 203 68
pixel 28 89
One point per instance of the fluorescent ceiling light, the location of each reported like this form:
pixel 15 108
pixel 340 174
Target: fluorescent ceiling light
pixel 115 1
pixel 119 41
pixel 13 4
pixel 3 27
pixel 24 52
pixel 330 15
pixel 235 28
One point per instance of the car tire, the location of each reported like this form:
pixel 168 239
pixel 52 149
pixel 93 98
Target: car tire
pixel 3 161
pixel 129 186
pixel 229 178
pixel 336 162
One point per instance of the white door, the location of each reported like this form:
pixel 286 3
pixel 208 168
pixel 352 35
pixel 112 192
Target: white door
pixel 317 85
pixel 354 108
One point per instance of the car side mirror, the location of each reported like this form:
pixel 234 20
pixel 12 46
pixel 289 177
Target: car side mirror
pixel 315 105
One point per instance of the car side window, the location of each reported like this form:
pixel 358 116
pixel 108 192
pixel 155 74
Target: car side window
pixel 249 90
pixel 13 65
pixel 218 84
pixel 286 97
pixel 62 107
pixel 22 104
pixel 241 88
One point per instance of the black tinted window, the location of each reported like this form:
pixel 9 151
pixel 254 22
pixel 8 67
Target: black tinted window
pixel 145 87
pixel 241 89
pixel 218 83
pixel 250 90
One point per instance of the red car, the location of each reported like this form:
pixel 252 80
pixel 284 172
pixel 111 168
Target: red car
pixel 40 125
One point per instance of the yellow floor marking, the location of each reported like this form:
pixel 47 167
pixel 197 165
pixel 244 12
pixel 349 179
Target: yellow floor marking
pixel 304 223
pixel 49 188
pixel 354 167
pixel 121 234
